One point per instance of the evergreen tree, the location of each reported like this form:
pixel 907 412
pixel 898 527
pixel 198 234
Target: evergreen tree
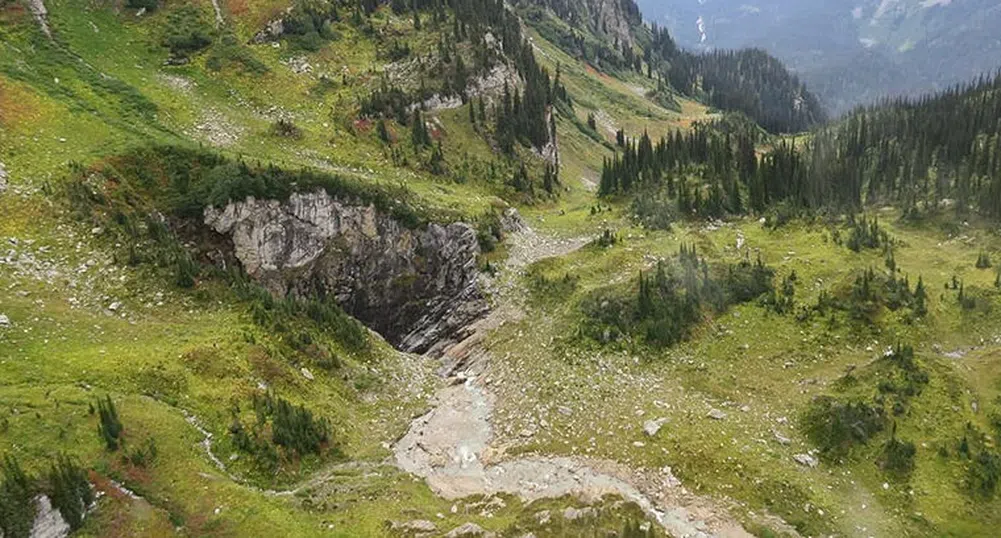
pixel 110 427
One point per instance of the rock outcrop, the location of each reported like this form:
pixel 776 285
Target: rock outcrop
pixel 49 523
pixel 414 286
pixel 3 178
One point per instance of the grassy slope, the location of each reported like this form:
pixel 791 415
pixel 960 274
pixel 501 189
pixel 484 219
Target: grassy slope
pixel 99 89
pixel 773 365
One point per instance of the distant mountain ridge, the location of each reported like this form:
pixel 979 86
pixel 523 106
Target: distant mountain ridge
pixel 849 53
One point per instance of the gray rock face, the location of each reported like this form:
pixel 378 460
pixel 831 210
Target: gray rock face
pixel 49 523
pixel 415 287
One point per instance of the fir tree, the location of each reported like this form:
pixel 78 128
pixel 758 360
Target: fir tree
pixel 110 427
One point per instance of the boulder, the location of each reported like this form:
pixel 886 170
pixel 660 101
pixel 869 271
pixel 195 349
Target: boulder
pixel 573 514
pixel 805 460
pixel 651 427
pixel 716 414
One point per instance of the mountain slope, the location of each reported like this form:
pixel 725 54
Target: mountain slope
pixel 193 209
pixel 850 54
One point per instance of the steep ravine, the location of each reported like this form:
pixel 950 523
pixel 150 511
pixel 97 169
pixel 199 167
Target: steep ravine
pixel 451 446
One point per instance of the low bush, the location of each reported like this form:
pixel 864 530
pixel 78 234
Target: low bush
pixel 836 427
pixel 110 427
pixel 70 491
pixel 983 474
pixel 897 457
pixel 187 32
pixel 17 500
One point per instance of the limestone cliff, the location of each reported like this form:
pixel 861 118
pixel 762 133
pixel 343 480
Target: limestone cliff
pixel 414 286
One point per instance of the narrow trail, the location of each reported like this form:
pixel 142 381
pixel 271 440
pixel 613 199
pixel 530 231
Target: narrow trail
pixel 218 14
pixel 452 445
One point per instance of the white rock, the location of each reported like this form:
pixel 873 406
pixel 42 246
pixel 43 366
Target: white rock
pixel 716 414
pixel 651 427
pixel 115 306
pixel 572 514
pixel 4 321
pixel 805 460
pixel 49 523
pixel 307 374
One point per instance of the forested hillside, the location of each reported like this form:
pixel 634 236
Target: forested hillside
pixel 848 53
pixel 749 81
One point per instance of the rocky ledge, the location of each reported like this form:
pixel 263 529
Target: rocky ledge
pixel 416 287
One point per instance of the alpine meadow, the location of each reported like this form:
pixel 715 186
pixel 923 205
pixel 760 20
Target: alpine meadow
pixel 459 268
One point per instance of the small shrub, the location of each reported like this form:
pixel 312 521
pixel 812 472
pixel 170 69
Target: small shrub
pixel 17 504
pixel 897 457
pixel 984 473
pixel 836 427
pixel 187 32
pixel 110 427
pixel 984 261
pixel 281 430
pixel 867 234
pixel 143 455
pixel 148 5
pixel 286 128
pixel 608 238
pixel 70 491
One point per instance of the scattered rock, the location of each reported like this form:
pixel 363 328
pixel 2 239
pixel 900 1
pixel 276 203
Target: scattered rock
pixel 564 410
pixel 4 321
pixel 783 440
pixel 806 460
pixel 115 306
pixel 716 414
pixel 651 427
pixel 307 374
pixel 417 525
pixel 469 529
pixel 543 517
pixel 573 514
pixel 3 178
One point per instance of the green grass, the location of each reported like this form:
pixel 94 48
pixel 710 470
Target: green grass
pixel 199 351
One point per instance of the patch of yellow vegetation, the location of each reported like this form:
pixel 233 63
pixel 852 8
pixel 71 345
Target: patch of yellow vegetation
pixel 18 105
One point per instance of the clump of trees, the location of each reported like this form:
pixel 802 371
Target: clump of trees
pixel 673 298
pixel 836 427
pixel 65 484
pixel 281 432
pixel 841 425
pixel 187 32
pixel 869 293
